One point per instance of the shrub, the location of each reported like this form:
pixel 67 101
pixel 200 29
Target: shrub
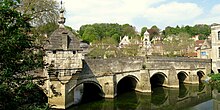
pixel 215 81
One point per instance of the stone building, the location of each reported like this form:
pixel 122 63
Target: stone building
pixel 215 34
pixel 204 51
pixel 124 42
pixel 63 57
pixel 146 40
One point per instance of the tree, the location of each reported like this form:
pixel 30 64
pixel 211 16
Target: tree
pixel 154 31
pixel 177 45
pixel 104 48
pixel 128 30
pixel 17 59
pixel 102 30
pixel 202 30
pixel 40 12
pixel 143 30
pixel 90 34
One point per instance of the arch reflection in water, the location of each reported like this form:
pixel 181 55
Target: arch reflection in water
pixel 159 96
pixel 182 90
pixel 200 74
pixel 128 103
pixel 126 84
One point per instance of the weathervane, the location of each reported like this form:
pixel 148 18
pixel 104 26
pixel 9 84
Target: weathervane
pixel 62 19
pixel 61 3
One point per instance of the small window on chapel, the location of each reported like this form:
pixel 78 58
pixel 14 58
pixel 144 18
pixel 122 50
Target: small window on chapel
pixel 74 52
pixel 218 35
pixel 54 51
pixel 219 52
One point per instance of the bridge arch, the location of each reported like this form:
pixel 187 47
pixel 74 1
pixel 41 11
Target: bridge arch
pixel 200 75
pixel 127 83
pixel 182 76
pixel 86 91
pixel 158 79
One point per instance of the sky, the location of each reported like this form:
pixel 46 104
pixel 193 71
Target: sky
pixel 141 13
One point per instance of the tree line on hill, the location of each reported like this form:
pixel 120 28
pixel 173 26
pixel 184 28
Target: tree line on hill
pixel 93 32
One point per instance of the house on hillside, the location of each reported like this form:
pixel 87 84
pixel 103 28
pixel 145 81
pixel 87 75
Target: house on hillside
pixel 146 40
pixel 198 44
pixel 157 46
pixel 124 42
pixel 204 51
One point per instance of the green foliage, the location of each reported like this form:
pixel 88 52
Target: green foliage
pixel 215 81
pixel 202 30
pixel 18 56
pixel 40 12
pixel 46 28
pixel 97 31
pixel 154 31
pixel 177 45
pixel 143 30
pixel 104 48
pixel 131 50
pixel 90 34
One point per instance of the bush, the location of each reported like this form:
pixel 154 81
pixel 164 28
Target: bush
pixel 215 81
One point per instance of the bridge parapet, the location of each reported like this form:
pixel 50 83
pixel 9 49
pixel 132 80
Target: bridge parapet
pixel 100 67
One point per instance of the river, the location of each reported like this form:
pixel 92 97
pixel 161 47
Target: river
pixel 187 97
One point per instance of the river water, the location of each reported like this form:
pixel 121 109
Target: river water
pixel 187 97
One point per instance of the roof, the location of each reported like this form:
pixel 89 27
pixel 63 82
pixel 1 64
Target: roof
pixel 62 39
pixel 199 43
pixel 194 54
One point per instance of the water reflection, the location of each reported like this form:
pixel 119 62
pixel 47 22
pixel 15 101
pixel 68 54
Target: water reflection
pixel 161 98
pixel 182 90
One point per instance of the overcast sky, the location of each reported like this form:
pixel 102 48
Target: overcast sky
pixel 140 13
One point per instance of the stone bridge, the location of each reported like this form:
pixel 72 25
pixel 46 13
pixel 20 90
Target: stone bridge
pixel 109 77
pixel 71 77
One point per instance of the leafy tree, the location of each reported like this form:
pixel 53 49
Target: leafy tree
pixel 131 50
pixel 40 12
pixel 116 37
pixel 154 31
pixel 128 30
pixel 90 34
pixel 178 45
pixel 202 30
pixel 46 29
pixel 104 48
pixel 143 30
pixel 103 30
pixel 17 59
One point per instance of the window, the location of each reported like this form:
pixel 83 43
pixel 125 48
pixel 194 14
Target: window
pixel 203 53
pixel 219 52
pixel 74 52
pixel 54 51
pixel 218 35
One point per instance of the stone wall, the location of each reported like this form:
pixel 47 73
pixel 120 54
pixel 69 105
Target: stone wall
pixel 100 67
pixel 65 63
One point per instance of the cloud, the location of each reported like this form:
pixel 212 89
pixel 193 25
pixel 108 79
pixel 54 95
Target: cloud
pixel 173 12
pixel 126 11
pixel 107 11
pixel 215 10
pixel 212 16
